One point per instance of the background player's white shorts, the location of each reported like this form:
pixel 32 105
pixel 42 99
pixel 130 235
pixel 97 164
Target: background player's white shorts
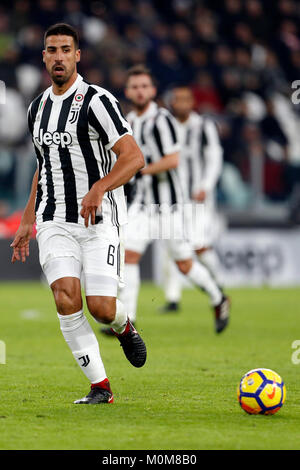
pixel 204 225
pixel 93 254
pixel 145 226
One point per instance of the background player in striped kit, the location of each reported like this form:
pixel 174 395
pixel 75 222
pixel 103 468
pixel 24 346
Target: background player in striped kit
pixel 158 204
pixel 200 167
pixel 85 153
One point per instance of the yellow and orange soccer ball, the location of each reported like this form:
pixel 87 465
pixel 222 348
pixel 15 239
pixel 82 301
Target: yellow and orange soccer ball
pixel 261 391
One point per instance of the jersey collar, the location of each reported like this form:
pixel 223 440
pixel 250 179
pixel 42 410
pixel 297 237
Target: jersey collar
pixel 188 121
pixel 58 98
pixel 151 111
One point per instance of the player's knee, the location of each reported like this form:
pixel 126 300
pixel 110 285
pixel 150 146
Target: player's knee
pixel 66 296
pixel 200 251
pixel 103 309
pixel 184 266
pixel 131 257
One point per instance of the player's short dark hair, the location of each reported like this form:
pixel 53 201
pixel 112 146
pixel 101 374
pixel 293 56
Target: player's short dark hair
pixel 180 85
pixel 62 29
pixel 140 69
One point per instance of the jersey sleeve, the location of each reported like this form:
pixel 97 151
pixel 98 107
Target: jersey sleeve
pixel 29 119
pixel 106 117
pixel 212 156
pixel 32 112
pixel 166 135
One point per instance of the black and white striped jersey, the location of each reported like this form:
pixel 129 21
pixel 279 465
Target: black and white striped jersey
pixel 73 135
pixel 156 134
pixel 201 154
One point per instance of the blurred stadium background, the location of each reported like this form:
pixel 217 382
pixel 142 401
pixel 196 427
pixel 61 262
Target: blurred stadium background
pixel 241 59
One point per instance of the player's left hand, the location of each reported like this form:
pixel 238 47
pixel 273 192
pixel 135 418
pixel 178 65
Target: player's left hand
pixel 90 203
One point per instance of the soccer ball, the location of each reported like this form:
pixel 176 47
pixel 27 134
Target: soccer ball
pixel 261 391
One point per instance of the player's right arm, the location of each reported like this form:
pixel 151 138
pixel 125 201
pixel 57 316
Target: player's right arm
pixel 20 244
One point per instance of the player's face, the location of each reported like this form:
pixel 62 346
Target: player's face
pixel 140 90
pixel 182 102
pixel 60 57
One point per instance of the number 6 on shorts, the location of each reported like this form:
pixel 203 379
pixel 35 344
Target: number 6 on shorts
pixel 110 255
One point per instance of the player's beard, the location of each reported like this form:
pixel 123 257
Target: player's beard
pixel 182 116
pixel 141 107
pixel 60 80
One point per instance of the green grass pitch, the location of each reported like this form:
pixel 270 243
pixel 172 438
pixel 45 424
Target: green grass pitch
pixel 183 398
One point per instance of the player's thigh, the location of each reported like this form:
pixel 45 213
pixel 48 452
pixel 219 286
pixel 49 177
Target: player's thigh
pixel 181 253
pixel 101 261
pixel 59 251
pixel 137 233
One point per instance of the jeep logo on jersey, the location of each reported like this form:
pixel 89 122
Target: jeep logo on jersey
pixel 62 139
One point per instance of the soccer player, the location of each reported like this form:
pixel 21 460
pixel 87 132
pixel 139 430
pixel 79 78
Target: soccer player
pixel 85 152
pixel 199 168
pixel 159 201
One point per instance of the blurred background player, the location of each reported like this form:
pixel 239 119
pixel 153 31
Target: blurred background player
pixel 200 167
pixel 158 206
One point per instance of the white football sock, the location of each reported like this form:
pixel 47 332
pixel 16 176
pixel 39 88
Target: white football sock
pixel 201 277
pixel 211 260
pixel 129 294
pixel 84 345
pixel 172 281
pixel 120 321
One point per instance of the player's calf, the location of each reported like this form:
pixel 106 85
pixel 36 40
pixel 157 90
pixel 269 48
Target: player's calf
pixel 102 308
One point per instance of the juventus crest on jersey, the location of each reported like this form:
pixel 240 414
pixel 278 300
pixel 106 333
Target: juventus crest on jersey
pixel 73 135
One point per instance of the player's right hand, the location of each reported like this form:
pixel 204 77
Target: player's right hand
pixel 20 244
pixel 200 196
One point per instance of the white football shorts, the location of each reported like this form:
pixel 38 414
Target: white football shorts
pixel 204 225
pixel 145 226
pixel 94 254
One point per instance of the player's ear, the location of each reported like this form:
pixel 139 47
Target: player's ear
pixel 43 52
pixel 126 92
pixel 78 55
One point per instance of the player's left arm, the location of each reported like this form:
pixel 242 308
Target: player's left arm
pixel 213 157
pixel 167 162
pixel 165 136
